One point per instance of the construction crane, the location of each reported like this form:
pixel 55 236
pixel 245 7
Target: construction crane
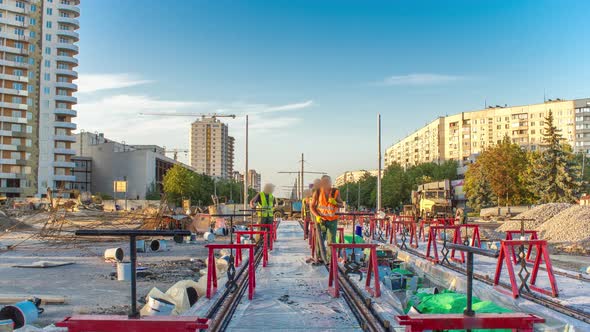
pixel 176 152
pixel 202 115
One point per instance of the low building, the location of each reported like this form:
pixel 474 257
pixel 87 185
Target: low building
pixel 254 180
pixel 83 173
pixel 352 176
pixel 114 161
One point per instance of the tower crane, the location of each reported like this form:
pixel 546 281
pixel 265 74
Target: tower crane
pixel 202 115
pixel 176 152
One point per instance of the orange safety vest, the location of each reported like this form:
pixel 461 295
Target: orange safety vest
pixel 326 209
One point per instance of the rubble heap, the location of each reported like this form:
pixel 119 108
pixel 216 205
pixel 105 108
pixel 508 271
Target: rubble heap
pixel 539 215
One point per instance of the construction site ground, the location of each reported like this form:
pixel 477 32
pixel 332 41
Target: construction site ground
pixel 89 285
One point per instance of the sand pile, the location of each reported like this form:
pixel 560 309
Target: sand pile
pixel 539 215
pixel 570 225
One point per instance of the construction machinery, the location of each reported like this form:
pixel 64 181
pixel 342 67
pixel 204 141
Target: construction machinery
pixel 433 199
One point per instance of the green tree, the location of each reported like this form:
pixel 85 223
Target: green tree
pixel 477 188
pixel 556 176
pixel 395 187
pixel 180 183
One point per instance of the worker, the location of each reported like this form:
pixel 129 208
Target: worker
pixel 264 203
pixel 325 203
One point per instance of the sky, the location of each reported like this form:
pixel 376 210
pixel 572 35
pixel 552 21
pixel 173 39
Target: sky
pixel 313 75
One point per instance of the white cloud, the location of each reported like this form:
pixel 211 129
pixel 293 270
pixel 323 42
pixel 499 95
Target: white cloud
pixel 88 83
pixel 419 79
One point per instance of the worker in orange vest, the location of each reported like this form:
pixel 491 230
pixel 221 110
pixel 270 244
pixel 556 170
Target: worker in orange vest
pixel 324 205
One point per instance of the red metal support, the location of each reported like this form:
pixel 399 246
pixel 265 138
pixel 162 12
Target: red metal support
pixel 507 247
pixel 115 323
pixel 212 272
pixel 305 228
pixel 438 322
pixel 372 271
pixel 264 235
pixel 312 241
pixel 475 234
pixel 340 239
pixel 398 226
pixel 432 233
pixel 532 236
pixel 270 228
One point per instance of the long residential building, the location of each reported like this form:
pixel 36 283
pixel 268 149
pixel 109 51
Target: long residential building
pixel 352 176
pixel 459 136
pixel 37 68
pixel 211 148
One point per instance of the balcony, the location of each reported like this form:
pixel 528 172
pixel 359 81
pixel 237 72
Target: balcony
pixel 13 22
pixel 68 46
pixel 68 20
pixel 14 106
pixel 8 147
pixel 14 9
pixel 14 36
pixel 13 119
pixel 67 72
pixel 69 99
pixel 69 8
pixel 12 176
pixel 67 58
pixel 7 161
pixel 64 151
pixel 69 33
pixel 15 92
pixel 14 63
pixel 64 178
pixel 64 164
pixel 14 78
pixel 65 111
pixel 16 50
pixel 60 124
pixel 64 138
pixel 66 85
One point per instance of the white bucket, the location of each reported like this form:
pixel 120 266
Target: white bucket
pixel 159 307
pixel 124 271
pixel 209 237
pixel 116 254
pixel 6 325
pixel 158 245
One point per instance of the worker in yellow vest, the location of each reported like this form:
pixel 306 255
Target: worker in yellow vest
pixel 325 204
pixel 305 213
pixel 264 202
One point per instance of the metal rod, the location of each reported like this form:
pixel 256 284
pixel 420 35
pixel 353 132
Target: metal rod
pixel 132 247
pixel 246 171
pixel 469 310
pixel 379 162
pixel 475 250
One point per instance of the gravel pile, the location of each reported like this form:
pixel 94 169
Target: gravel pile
pixel 540 214
pixel 570 225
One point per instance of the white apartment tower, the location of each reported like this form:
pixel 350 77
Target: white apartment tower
pixel 37 69
pixel 211 148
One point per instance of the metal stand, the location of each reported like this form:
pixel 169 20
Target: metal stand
pixel 231 268
pixel 132 234
pixel 351 265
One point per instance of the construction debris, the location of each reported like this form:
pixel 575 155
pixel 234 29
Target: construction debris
pixel 571 225
pixel 534 217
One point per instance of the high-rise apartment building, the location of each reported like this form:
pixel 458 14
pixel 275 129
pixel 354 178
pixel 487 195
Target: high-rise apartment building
pixel 37 68
pixel 211 148
pixel 459 136
pixel 254 179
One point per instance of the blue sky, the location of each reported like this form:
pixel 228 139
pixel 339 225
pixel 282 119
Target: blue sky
pixel 314 74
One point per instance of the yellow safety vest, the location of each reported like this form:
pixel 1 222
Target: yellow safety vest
pixel 266 206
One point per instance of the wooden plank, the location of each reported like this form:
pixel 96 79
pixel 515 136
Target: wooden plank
pixel 45 299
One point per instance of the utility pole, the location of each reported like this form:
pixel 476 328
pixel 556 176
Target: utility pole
pixel 379 161
pixel 302 175
pixel 245 206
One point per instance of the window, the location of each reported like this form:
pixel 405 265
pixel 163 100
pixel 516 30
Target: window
pixel 14 154
pixel 17 100
pixel 46 90
pixel 32 34
pixel 14 141
pixel 31 88
pixel 62 66
pixel 19 59
pixel 20 4
pixel 47 63
pixel 19 18
pixel 33 21
pixel 19 45
pixel 48 50
pixel 18 72
pixel 49 11
pixel 33 8
pixel 19 32
pixel 48 24
pixel 31 48
pixel 48 37
pixel 16 127
pixel 47 76
pixel 17 86
pixel 64 40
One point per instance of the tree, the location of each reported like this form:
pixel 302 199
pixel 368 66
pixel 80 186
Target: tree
pixel 503 167
pixel 180 183
pixel 477 188
pixel 395 188
pixel 556 176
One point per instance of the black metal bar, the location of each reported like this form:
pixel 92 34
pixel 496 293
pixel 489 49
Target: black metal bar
pixel 230 215
pixel 129 232
pixel 475 250
pixel 355 213
pixel 469 269
pixel 133 248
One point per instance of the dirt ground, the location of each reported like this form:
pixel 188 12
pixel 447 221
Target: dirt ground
pixel 90 284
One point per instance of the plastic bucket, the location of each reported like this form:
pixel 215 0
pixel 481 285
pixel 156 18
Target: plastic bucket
pixel 140 245
pixel 124 271
pixel 116 254
pixel 209 237
pixel 158 245
pixel 358 230
pixel 159 307
pixel 21 313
